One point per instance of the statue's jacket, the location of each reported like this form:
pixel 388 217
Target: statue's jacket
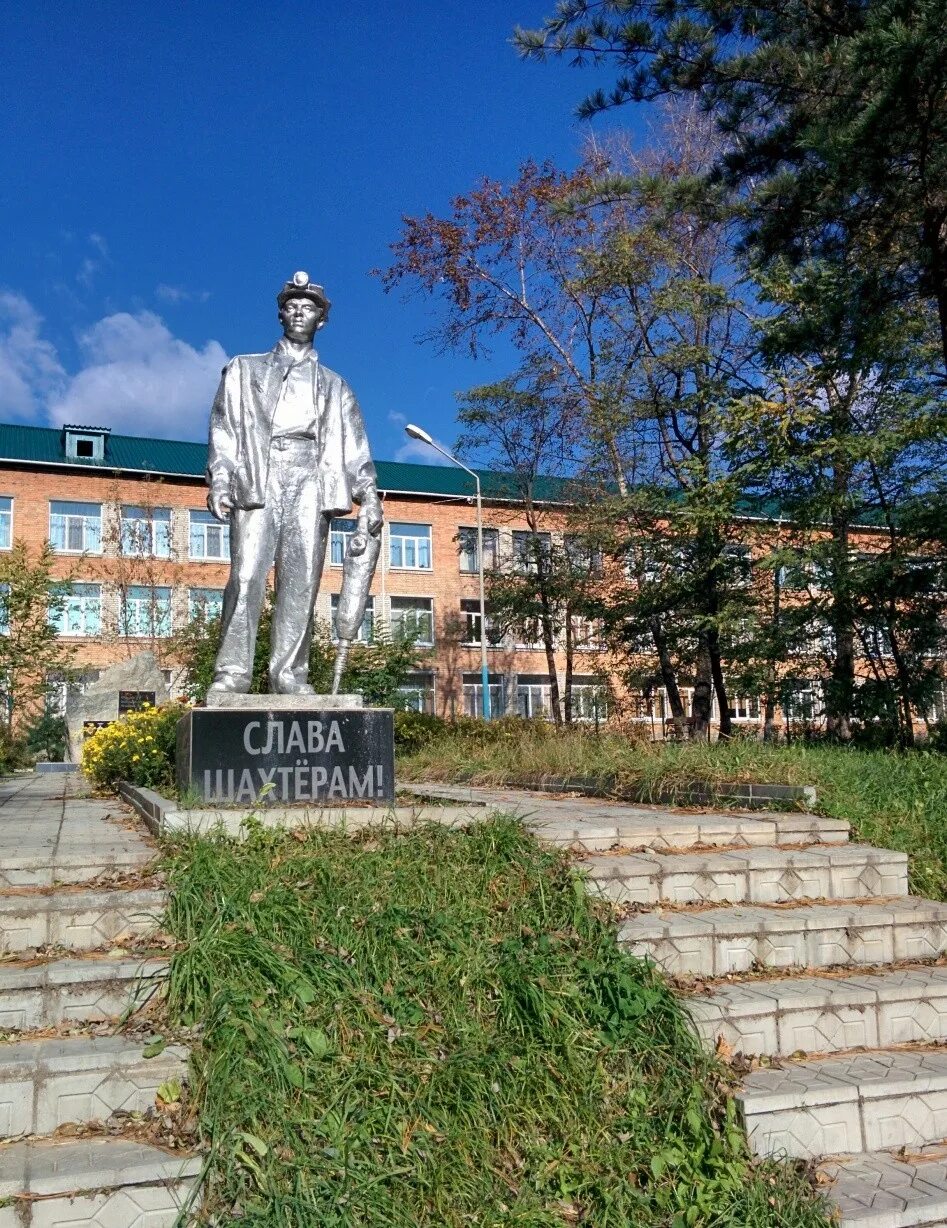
pixel 241 425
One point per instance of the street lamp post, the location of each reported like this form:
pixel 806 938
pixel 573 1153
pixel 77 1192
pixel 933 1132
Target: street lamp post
pixel 417 433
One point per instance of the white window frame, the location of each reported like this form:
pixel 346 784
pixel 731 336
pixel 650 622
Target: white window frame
pixel 395 623
pixel 6 522
pixel 212 605
pixel 81 520
pixel 531 696
pixel 467 550
pixel 473 695
pixel 85 599
pixel 144 532
pixel 341 531
pixel 143 597
pixel 470 614
pixel 415 546
pixel 521 563
pixel 199 521
pixel 420 685
pixel 367 628
pixel 741 709
pixel 585 697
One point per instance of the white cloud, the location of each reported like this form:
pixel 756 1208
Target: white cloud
pixel 180 294
pixel 416 451
pixel 139 379
pixel 30 371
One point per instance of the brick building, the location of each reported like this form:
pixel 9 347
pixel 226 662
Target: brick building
pixel 127 519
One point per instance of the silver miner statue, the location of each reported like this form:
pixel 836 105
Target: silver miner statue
pixel 287 452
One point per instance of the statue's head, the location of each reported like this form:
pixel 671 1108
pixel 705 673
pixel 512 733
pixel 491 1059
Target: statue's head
pixel 303 307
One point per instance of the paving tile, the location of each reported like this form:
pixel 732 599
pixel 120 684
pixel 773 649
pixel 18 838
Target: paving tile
pixel 879 1190
pixel 824 1014
pixel 74 990
pixel 718 941
pixel 80 920
pixel 884 1099
pixel 47 1082
pixel 764 875
pixel 134 1184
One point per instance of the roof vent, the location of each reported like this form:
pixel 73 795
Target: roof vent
pixel 85 442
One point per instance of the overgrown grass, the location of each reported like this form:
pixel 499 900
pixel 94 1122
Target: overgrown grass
pixel 435 1029
pixel 896 800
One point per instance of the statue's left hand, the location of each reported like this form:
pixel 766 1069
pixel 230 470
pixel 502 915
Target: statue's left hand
pixel 370 516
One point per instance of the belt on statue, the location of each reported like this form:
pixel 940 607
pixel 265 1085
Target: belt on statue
pixel 286 441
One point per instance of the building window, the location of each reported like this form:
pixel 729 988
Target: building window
pixel 802 700
pixel 528 635
pixel 473 695
pixel 529 549
pixel 587 633
pixel 646 705
pixel 85 443
pixel 6 523
pixel 417 692
pixel 533 696
pixel 739 562
pixel 75 528
pixel 744 708
pixel 409 546
pixel 470 613
pixel 146 611
pixel 589 700
pixel 467 549
pixel 210 538
pixel 583 557
pixel 414 617
pixel 205 603
pixel 937 704
pixel 146 531
pixel 80 611
pixel 339 535
pixel 366 630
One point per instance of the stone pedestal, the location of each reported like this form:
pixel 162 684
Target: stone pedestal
pixel 312 749
pixel 120 689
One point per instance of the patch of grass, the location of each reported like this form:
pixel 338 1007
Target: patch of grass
pixel 893 799
pixel 437 1029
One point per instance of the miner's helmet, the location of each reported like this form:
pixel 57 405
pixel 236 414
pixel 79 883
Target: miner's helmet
pixel 301 287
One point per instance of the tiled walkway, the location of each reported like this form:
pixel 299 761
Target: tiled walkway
pixel 74 928
pixel 791 945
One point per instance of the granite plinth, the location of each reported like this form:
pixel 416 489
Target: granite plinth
pixel 281 703
pixel 287 756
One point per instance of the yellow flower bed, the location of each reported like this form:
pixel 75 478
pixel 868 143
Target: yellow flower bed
pixel 138 747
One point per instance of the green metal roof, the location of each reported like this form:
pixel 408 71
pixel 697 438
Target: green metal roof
pixel 40 445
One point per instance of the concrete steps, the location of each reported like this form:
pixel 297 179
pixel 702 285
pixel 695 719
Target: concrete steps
pixel 876 1101
pixel 881 1190
pixel 760 875
pixel 47 1082
pixel 824 1014
pixel 29 867
pixel 48 993
pixel 80 920
pixel 675 830
pixel 718 941
pixel 108 1183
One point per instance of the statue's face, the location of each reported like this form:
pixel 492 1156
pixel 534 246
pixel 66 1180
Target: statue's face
pixel 300 318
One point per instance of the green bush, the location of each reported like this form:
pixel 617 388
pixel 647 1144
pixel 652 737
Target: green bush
pixel 416 729
pixel 139 748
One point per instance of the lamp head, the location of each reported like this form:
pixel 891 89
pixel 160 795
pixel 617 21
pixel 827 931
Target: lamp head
pixel 416 433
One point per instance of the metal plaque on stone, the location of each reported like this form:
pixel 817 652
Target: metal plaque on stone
pixel 287 756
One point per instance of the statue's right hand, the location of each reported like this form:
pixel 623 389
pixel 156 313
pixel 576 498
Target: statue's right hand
pixel 219 503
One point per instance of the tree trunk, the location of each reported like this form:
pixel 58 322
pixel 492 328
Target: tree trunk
pixel 669 679
pixel 703 692
pixel 570 654
pixel 720 686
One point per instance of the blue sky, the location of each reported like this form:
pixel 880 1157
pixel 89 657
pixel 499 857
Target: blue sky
pixel 167 167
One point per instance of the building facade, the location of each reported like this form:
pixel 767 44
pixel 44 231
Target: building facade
pixel 138 553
